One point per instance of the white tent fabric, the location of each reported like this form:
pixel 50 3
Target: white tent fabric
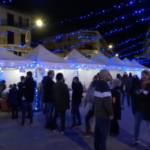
pixel 76 58
pixel 135 63
pixel 118 61
pixel 125 60
pixel 100 58
pixel 9 59
pixel 45 57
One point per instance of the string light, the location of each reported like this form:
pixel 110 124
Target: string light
pixel 78 44
pixel 91 14
pixel 128 48
pixel 36 89
pixel 107 33
pixel 120 56
pixel 52 39
pixel 25 29
pixel 79 31
pixel 1 74
pixel 5 1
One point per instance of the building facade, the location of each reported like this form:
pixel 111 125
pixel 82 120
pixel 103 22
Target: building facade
pixel 88 43
pixel 13 30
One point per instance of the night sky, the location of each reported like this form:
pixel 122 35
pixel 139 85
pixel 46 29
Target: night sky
pixel 57 10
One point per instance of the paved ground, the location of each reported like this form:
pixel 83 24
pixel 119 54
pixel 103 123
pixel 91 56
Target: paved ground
pixel 12 137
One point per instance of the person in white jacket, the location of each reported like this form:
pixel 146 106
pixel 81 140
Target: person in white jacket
pixel 90 114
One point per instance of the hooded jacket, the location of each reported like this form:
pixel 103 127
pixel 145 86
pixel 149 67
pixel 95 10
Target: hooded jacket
pixel 102 100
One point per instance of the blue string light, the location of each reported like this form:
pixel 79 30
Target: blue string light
pixel 95 38
pixel 123 17
pixel 25 29
pixel 1 74
pixel 36 89
pixel 76 66
pixel 91 14
pixel 5 1
pixel 119 44
pixel 79 31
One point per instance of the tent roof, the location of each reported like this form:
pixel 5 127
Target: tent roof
pixel 42 54
pixel 75 57
pixel 125 60
pixel 11 60
pixel 135 63
pixel 6 55
pixel 118 61
pixel 103 59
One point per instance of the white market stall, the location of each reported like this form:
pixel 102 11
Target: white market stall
pixel 46 60
pixel 84 66
pixel 12 67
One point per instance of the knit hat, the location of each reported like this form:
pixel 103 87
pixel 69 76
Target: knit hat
pixel 146 72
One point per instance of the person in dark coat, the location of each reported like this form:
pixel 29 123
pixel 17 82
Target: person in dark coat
pixel 61 101
pixel 20 88
pixel 145 97
pixel 135 100
pixel 47 96
pixel 77 89
pixel 13 101
pixel 116 102
pixel 119 77
pixel 27 98
pixel 136 107
pixel 126 85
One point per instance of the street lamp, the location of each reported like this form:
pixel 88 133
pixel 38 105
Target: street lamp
pixel 110 46
pixel 39 23
pixel 117 55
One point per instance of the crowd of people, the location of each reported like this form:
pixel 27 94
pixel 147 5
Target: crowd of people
pixel 105 97
pixel 20 96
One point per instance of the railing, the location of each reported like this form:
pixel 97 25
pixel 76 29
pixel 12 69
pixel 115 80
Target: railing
pixel 13 24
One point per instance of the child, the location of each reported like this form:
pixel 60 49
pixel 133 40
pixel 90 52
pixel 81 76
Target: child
pixel 13 101
pixel 116 102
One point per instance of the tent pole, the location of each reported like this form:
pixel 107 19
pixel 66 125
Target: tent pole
pixel 77 73
pixel 1 74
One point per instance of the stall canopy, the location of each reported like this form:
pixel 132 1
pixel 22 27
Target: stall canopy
pixel 75 57
pixel 119 62
pixel 9 59
pixel 43 56
pixel 100 58
pixel 125 60
pixel 136 64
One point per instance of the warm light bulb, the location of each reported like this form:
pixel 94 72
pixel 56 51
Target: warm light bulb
pixel 110 46
pixel 39 23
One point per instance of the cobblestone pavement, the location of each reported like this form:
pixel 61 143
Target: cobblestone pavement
pixel 12 137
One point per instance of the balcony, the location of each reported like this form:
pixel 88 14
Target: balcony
pixel 13 24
